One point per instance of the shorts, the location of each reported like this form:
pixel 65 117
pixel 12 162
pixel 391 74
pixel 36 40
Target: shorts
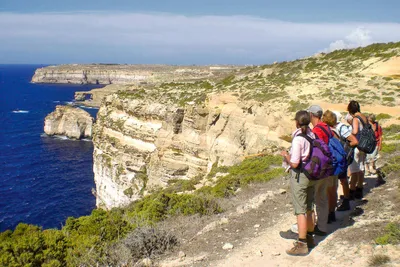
pixel 373 156
pixel 358 163
pixel 332 181
pixel 303 191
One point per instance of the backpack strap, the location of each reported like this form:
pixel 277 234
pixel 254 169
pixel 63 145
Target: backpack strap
pixel 363 123
pixel 377 127
pixel 311 146
pixel 340 130
pixel 329 134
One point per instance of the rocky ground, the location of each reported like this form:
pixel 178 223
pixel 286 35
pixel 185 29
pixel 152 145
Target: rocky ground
pixel 247 233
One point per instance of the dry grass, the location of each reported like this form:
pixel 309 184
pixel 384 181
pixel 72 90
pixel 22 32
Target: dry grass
pixel 378 260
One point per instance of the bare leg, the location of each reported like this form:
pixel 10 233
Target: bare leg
pixel 302 225
pixel 345 185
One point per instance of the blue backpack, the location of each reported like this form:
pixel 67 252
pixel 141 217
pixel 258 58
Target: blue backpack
pixel 338 153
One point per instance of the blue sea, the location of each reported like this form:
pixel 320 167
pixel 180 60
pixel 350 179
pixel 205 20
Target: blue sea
pixel 43 180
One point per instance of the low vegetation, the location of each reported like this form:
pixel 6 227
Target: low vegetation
pixel 391 236
pixel 378 260
pixel 123 236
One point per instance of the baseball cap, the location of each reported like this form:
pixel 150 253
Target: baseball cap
pixel 338 115
pixel 316 110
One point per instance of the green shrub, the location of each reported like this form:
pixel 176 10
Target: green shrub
pixel 388 99
pixel 383 116
pixel 391 236
pixel 391 129
pixel 392 165
pixel 295 106
pixel 389 148
pixel 255 169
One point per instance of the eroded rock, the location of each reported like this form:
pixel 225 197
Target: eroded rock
pixel 70 121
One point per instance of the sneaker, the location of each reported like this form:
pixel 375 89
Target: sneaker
pixel 310 241
pixel 299 249
pixel 358 194
pixel 344 206
pixel 319 232
pixel 289 235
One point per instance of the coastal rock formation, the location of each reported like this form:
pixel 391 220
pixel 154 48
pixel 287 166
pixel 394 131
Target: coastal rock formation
pixel 140 144
pixel 148 135
pixel 70 121
pixel 125 74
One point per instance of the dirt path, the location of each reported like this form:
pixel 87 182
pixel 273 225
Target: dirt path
pixel 350 241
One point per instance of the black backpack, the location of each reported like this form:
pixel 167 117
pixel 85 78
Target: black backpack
pixel 366 141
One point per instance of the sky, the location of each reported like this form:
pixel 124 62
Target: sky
pixel 186 32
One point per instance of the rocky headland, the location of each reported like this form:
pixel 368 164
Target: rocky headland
pixel 69 121
pixel 125 74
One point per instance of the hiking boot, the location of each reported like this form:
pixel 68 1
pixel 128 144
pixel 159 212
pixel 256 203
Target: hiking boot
pixel 288 235
pixel 299 249
pixel 358 194
pixel 310 241
pixel 345 205
pixel 319 232
pixel 351 194
pixel 331 217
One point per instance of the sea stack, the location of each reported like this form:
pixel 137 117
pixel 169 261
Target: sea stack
pixel 75 123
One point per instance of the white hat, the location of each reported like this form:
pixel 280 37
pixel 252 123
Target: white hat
pixel 338 115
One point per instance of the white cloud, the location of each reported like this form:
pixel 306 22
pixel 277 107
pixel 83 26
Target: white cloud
pixel 358 38
pixel 173 39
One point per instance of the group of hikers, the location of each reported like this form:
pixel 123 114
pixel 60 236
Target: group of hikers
pixel 319 157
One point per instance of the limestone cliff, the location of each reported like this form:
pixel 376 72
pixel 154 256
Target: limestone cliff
pixel 125 74
pixel 140 144
pixel 70 121
pixel 146 136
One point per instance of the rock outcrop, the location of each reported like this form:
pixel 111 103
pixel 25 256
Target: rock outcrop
pixel 125 74
pixel 69 121
pixel 140 144
pixel 148 135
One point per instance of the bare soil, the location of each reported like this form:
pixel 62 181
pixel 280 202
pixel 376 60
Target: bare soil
pixel 255 233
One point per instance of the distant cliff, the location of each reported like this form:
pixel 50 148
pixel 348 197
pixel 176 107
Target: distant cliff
pixel 125 74
pixel 69 121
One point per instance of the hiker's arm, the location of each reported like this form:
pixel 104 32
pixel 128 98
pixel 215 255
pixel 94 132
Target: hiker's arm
pixel 352 140
pixel 380 138
pixel 287 157
pixel 355 126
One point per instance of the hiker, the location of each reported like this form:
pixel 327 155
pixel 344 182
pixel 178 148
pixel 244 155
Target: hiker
pixel 349 142
pixel 321 187
pixel 371 158
pixel 330 119
pixel 343 133
pixel 357 166
pixel 301 187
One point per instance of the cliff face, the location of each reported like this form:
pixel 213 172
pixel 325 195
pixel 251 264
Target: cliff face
pixel 140 144
pixel 72 122
pixel 146 136
pixel 124 74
